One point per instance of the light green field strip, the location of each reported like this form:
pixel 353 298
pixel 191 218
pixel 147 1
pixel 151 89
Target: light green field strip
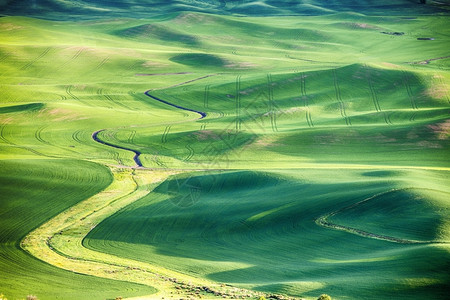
pixel 59 242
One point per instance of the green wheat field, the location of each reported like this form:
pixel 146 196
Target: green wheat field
pixel 224 149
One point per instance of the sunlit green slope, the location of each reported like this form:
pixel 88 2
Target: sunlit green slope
pixel 312 151
pixel 260 230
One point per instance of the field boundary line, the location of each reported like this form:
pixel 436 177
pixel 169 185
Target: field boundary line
pixel 323 221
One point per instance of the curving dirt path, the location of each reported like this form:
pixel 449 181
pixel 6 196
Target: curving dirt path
pixel 137 153
pixel 202 114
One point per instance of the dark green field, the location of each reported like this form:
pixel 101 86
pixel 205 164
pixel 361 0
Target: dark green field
pixel 156 149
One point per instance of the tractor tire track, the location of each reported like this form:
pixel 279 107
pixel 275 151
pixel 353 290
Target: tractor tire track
pixel 339 99
pixel 373 94
pixel 2 134
pixel 72 96
pixel 305 100
pixel 301 59
pixel 7 141
pixel 272 105
pixel 191 152
pixel 409 92
pixel 38 135
pixel 387 118
pixel 69 92
pixel 238 103
pixel 76 137
pixel 81 137
pixel 76 55
pixel 188 81
pixel 4 57
pixel 30 63
pixel 375 99
pixel 102 63
pixel 156 160
pixel 165 134
pixel 110 99
pixel 206 96
pixel 100 93
pixel 131 137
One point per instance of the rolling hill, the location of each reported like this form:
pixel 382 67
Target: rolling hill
pixel 224 149
pixel 148 8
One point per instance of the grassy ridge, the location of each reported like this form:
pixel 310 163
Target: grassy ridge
pixel 33 191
